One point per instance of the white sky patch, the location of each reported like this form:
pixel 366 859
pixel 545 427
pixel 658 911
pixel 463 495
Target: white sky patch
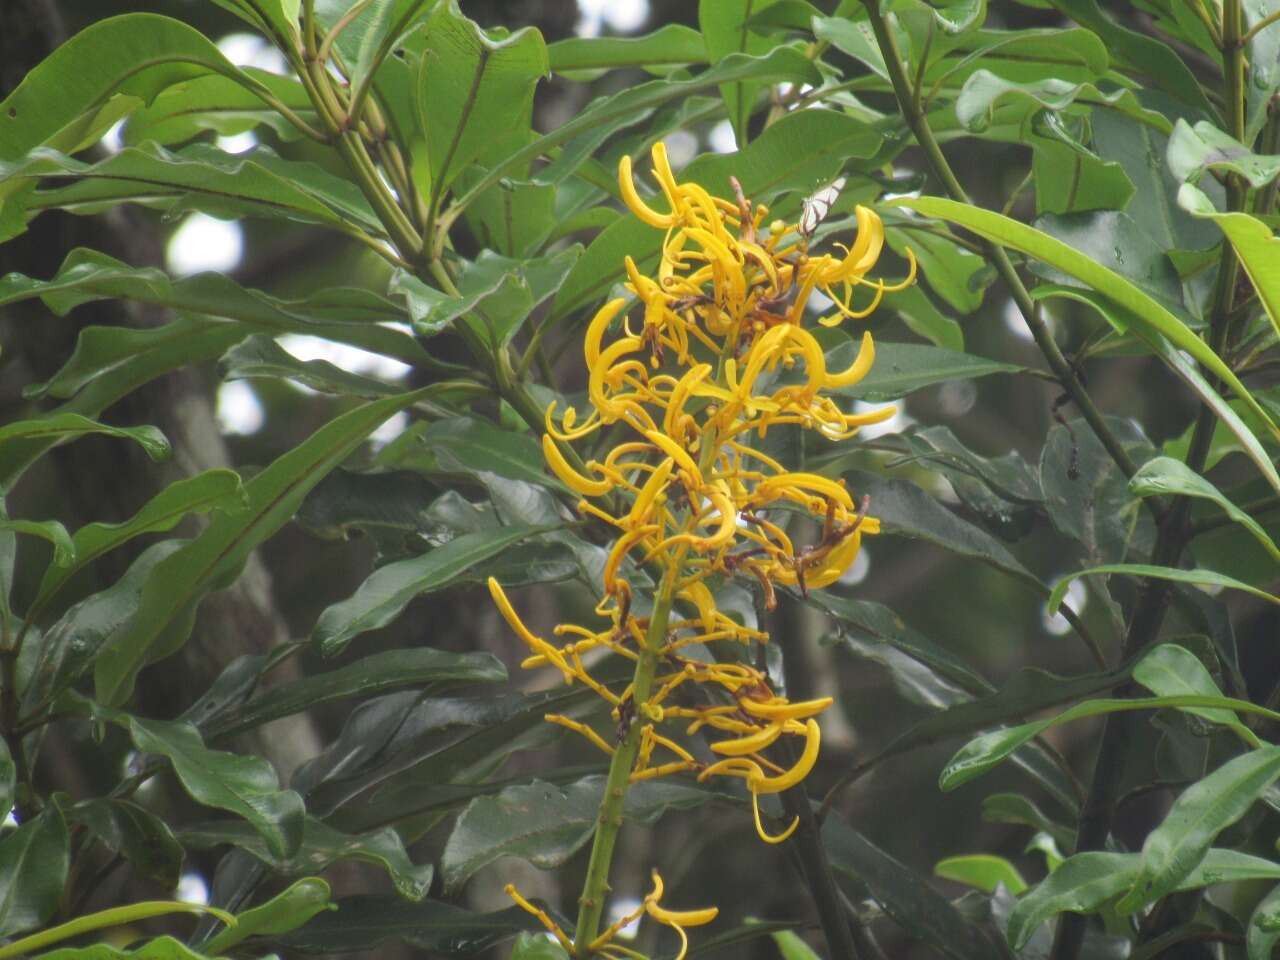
pixel 112 141
pixel 239 410
pixel 389 430
pixel 350 359
pixel 204 243
pixel 192 889
pixel 957 397
pixel 682 147
pixel 1014 321
pixel 858 570
pixel 238 143
pixel 722 138
pixel 895 424
pixel 1077 596
pixel 251 50
pixel 819 302
pixel 621 16
pixel 619 907
pixel 10 820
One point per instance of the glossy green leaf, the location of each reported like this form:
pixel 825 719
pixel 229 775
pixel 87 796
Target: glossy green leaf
pixel 1263 931
pixel 161 948
pixel 63 102
pixel 957 275
pixel 214 102
pixel 983 871
pixel 1171 670
pixel 1264 66
pixel 1196 149
pixel 34 860
pixel 423 668
pixel 1202 811
pixel 469 446
pixel 64 551
pixel 1144 311
pixel 138 835
pixel 1165 476
pixel 725 31
pixel 58 427
pixel 1254 243
pixel 983 90
pixel 1203 577
pixel 261 357
pixel 347 499
pixel 546 825
pixel 477 88
pixel 791 947
pixel 585 58
pixel 1080 885
pixel 286 911
pixel 902 368
pixel 376 29
pixel 322 846
pixel 388 590
pixel 981 754
pixel 239 784
pixel 768 166
pixel 217 489
pixel 922 912
pixel 441 929
pixel 1072 54
pixel 215 557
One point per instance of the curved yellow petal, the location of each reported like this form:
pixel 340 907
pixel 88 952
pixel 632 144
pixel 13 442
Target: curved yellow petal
pixel 750 744
pixel 860 367
pixel 627 186
pixel 783 709
pixel 571 477
pixel 784 781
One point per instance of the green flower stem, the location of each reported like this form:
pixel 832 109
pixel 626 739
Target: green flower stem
pixel 114 917
pixel 594 888
pixel 1061 367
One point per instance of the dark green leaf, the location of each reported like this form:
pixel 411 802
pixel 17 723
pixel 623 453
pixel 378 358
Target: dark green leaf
pixel 921 911
pixel 64 551
pixel 902 368
pixel 546 825
pixel 68 426
pixel 33 868
pixel 136 834
pixel 243 785
pixel 260 356
pixel 1016 808
pixel 959 276
pixel 469 446
pixel 388 590
pixel 364 923
pixel 215 557
pixel 424 668
pixel 8 772
pixel 322 846
pixel 1264 927
pixel 397 499
pixel 1202 811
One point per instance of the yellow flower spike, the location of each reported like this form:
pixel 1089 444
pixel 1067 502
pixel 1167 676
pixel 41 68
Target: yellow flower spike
pixel 552 927
pixel 718 494
pixel 648 494
pixel 782 709
pixel 621 547
pixel 595 331
pixel 676 453
pixel 571 478
pixel 535 643
pixel 750 744
pixel 662 173
pixel 760 830
pixel 784 781
pixel 627 186
pixel 860 367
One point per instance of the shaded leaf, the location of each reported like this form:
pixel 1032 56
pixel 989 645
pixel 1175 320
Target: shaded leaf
pixel 260 356
pixel 1208 577
pixel 286 911
pixel 214 102
pixel 136 834
pixel 902 368
pixel 33 869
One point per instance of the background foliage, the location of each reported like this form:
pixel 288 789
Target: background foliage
pixel 254 658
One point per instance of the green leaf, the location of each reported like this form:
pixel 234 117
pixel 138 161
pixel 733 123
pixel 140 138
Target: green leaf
pixel 475 90
pixel 1202 811
pixel 225 106
pixel 367 39
pixel 1022 56
pixel 217 489
pixel 440 929
pixel 792 947
pixel 261 357
pixel 1080 884
pixel 214 558
pixel 469 446
pixel 983 871
pixel 903 368
pixel 922 912
pixel 769 166
pixel 725 31
pixel 546 825
pixel 68 426
pixel 1143 311
pixel 981 754
pixel 322 846
pixel 63 102
pixel 1017 808
pixel 8 776
pixel 136 834
pixel 983 90
pixel 537 947
pixel 423 668
pixel 388 590
pixel 957 275
pixel 1171 670
pixel 33 869
pixel 585 58
pixel 1263 930
pixel 1254 244
pixel 1167 476
pixel 1264 67
pixel 1207 577
pixel 161 948
pixel 64 551
pixel 278 19
pixel 286 911
pixel 1195 149
pixel 239 784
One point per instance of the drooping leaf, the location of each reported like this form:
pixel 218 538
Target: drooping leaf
pixel 983 90
pixel 1207 577
pixel 322 846
pixel 546 825
pixel 260 356
pixel 240 784
pixel 215 557
pixel 135 833
pixel 1171 670
pixel 286 911
pixel 58 427
pixel 33 869
pixel 64 551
